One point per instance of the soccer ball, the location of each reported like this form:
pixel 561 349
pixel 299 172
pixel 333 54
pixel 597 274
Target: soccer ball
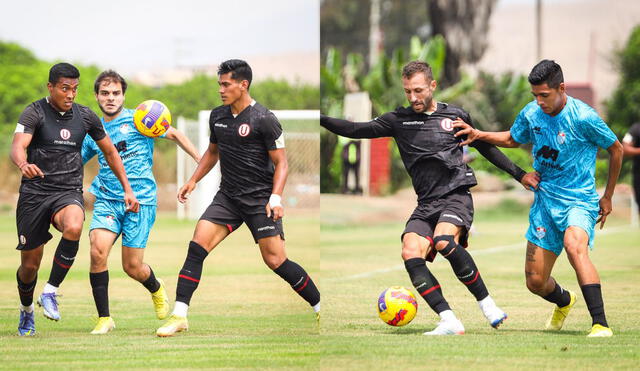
pixel 397 306
pixel 152 118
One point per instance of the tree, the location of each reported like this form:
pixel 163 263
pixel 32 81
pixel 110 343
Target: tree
pixel 622 110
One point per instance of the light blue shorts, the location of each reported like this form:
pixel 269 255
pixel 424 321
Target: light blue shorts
pixel 134 227
pixel 548 220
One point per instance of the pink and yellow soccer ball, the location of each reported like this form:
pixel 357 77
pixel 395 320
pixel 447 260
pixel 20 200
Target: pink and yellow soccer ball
pixel 397 306
pixel 152 118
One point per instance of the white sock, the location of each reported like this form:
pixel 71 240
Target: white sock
pixel 49 289
pixel 180 309
pixel 486 303
pixel 316 308
pixel 28 309
pixel 447 315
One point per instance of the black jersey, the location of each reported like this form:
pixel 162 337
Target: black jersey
pixel 244 143
pixel 429 151
pixel 56 144
pixel 633 137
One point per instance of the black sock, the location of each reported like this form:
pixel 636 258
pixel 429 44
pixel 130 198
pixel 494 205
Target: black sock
pixel 190 273
pixel 100 288
pixel 426 284
pixel 299 280
pixel 592 294
pixel 558 296
pixel 25 290
pixel 464 267
pixel 151 283
pixel 62 261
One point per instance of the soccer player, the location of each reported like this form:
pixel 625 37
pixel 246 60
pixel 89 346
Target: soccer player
pixel 109 216
pixel 51 131
pixel 565 133
pixel 249 142
pixel 441 179
pixel 631 147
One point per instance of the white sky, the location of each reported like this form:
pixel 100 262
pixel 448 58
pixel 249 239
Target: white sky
pixel 137 35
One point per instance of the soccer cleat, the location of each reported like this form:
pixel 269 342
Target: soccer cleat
pixel 104 325
pixel 448 327
pixel 560 314
pixel 49 304
pixel 173 325
pixel 27 324
pixel 161 301
pixel 599 331
pixel 495 316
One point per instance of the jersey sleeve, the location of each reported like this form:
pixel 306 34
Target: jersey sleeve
pixel 212 121
pixel 28 121
pixel 597 131
pixel 520 130
pixel 89 149
pixel 377 128
pixel 93 124
pixel 271 130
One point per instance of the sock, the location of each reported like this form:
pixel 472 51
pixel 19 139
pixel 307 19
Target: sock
pixel 426 284
pixel 592 294
pixel 25 290
pixel 180 309
pixel 100 288
pixel 486 304
pixel 190 273
pixel 28 308
pixel 49 289
pixel 447 315
pixel 464 267
pixel 316 308
pixel 62 261
pixel 151 283
pixel 558 296
pixel 299 280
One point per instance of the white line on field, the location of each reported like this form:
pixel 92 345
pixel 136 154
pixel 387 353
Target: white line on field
pixel 490 250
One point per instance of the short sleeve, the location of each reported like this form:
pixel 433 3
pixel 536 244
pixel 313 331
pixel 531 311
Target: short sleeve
pixel 28 121
pixel 520 130
pixel 271 130
pixel 93 124
pixel 597 131
pixel 212 121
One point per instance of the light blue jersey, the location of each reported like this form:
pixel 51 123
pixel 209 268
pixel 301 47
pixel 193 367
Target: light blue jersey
pixel 564 151
pixel 136 152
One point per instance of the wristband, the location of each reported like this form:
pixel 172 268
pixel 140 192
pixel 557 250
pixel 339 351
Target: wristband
pixel 274 200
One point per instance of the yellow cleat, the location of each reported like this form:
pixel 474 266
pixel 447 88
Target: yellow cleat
pixel 173 325
pixel 560 314
pixel 599 331
pixel 104 325
pixel 161 301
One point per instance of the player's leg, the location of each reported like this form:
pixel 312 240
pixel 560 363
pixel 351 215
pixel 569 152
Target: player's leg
pixel 576 243
pixel 101 241
pixel 27 276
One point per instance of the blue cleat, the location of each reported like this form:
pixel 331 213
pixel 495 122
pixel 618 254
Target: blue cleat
pixel 49 303
pixel 27 325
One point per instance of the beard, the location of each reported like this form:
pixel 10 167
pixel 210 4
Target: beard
pixel 117 111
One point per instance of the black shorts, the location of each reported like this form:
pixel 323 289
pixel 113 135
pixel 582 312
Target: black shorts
pixel 34 215
pixel 455 208
pixel 232 212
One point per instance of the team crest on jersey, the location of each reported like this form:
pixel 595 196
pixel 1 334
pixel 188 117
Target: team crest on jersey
pixel 244 130
pixel 23 240
pixel 446 124
pixel 124 128
pixel 65 134
pixel 561 138
pixel 541 232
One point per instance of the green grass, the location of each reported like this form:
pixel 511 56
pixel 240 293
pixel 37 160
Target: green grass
pixel 354 338
pixel 241 316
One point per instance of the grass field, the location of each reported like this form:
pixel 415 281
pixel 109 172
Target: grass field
pixel 242 315
pixel 359 261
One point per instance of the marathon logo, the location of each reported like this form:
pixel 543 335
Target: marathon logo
pixel 453 216
pixel 266 227
pixel 220 125
pixel 65 142
pixel 413 123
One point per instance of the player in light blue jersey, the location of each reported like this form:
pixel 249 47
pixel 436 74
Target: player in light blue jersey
pixel 110 218
pixel 565 134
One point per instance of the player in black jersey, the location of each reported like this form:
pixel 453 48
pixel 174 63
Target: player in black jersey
pixel 631 148
pixel 248 140
pixel 441 179
pixel 46 148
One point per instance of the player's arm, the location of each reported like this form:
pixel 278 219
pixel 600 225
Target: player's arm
pixel 376 128
pixel 274 206
pixel 498 138
pixel 19 156
pixel 615 163
pixel 115 163
pixel 627 146
pixel 207 162
pixel 528 180
pixel 183 142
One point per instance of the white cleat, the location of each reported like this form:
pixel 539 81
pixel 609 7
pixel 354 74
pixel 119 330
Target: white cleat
pixel 495 316
pixel 447 327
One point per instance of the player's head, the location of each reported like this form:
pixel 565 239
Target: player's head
pixel 234 78
pixel 109 89
pixel 63 85
pixel 418 84
pixel 547 86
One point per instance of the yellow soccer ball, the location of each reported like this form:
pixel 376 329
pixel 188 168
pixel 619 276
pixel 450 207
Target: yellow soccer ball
pixel 152 118
pixel 397 306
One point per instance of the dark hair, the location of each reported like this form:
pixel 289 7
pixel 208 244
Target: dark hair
pixel 414 67
pixel 63 70
pixel 111 76
pixel 547 71
pixel 240 70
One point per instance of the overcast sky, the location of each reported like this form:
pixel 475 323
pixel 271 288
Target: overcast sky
pixel 137 35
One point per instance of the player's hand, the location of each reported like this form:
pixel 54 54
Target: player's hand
pixel 131 202
pixel 274 208
pixel 31 171
pixel 465 129
pixel 185 191
pixel 530 181
pixel 605 209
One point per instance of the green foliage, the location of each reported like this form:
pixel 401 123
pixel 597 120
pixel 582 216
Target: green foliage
pixel 519 156
pixel 622 110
